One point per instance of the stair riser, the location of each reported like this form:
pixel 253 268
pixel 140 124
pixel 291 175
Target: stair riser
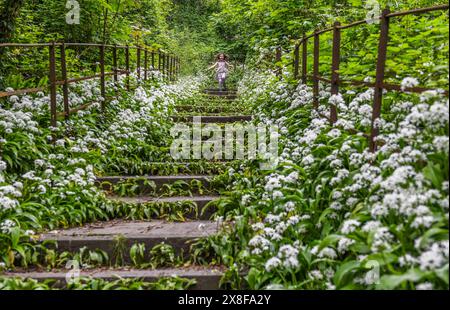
pixel 212 119
pixel 217 90
pixel 204 282
pixel 228 97
pixel 220 92
pixel 178 167
pixel 107 183
pixel 206 109
pixel 180 245
pixel 201 212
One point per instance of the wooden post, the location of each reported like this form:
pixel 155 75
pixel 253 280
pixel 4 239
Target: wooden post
pixel 64 78
pixel 296 60
pixel 115 64
pixel 102 75
pixel 304 59
pixel 277 60
pixel 335 69
pixel 127 65
pixel 381 66
pixel 52 79
pixel 316 70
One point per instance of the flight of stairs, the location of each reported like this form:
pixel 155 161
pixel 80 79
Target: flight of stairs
pixel 104 236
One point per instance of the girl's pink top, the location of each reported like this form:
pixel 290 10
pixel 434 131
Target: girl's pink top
pixel 222 66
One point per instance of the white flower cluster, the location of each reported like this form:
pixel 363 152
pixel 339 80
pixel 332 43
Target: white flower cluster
pixel 287 258
pixel 394 187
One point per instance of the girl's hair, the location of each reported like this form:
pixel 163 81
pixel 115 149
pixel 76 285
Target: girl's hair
pixel 225 57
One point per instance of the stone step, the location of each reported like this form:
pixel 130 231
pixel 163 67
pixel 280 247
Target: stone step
pixel 214 119
pixel 194 166
pixel 106 236
pixel 220 92
pixel 106 182
pixel 193 162
pixel 215 101
pixel 207 114
pixel 170 166
pixel 208 278
pixel 221 96
pixel 202 213
pixel 207 109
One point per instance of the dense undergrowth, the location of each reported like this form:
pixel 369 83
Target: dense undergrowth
pixel 47 185
pixel 172 283
pixel 332 214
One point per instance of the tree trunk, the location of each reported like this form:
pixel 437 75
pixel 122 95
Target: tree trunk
pixel 8 18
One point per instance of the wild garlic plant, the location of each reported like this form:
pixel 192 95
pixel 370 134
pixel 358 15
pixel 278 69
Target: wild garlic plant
pixel 46 185
pixel 333 215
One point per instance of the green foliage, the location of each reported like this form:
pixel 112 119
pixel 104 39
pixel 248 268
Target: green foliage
pixel 163 255
pixel 167 283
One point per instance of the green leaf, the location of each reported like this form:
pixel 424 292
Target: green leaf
pixel 442 274
pixel 343 270
pixel 329 240
pixel 424 240
pixel 390 282
pixel 433 173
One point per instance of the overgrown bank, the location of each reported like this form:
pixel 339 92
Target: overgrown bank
pixel 333 215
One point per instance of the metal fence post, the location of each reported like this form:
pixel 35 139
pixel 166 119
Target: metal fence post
pixel 66 84
pixel 153 65
pixel 335 68
pixel 304 59
pixel 277 61
pixel 52 79
pixel 127 65
pixel 115 64
pixel 102 75
pixel 163 65
pixel 296 60
pixel 168 67
pixel 316 70
pixel 381 66
pixel 145 64
pixel 172 71
pixel 176 68
pixel 138 62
